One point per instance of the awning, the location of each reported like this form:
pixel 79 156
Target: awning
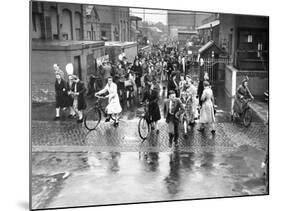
pixel 209 25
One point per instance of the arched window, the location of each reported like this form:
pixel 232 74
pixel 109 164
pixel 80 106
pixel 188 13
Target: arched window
pixel 77 25
pixel 66 25
pixel 36 23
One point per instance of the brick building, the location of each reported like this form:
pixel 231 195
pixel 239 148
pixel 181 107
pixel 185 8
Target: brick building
pixel 62 33
pixel 246 40
pixel 184 21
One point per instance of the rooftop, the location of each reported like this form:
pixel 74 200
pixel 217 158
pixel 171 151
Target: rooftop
pixel 187 32
pixel 119 44
pixel 135 18
pixel 60 45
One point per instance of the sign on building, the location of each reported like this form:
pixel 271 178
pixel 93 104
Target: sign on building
pixel 102 59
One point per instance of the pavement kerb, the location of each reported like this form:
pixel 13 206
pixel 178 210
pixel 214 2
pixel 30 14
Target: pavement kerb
pixel 258 114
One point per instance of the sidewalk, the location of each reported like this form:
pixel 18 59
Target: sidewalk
pixel 260 109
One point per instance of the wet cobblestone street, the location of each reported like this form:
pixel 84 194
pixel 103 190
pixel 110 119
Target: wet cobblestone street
pixel 74 167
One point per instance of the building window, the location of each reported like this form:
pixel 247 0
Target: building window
pixel 34 22
pixel 78 34
pixel 250 38
pixel 89 35
pixel 103 33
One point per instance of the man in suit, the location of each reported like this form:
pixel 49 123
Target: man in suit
pixel 172 107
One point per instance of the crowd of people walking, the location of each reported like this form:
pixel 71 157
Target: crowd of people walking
pixel 163 69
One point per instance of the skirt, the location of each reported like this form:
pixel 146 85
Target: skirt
pixel 114 106
pixel 207 114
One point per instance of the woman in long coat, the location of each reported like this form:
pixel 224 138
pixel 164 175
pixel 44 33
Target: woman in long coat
pixel 187 114
pixel 207 115
pixel 61 94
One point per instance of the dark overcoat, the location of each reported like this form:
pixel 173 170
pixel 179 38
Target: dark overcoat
pixel 61 94
pixel 81 97
pixel 153 97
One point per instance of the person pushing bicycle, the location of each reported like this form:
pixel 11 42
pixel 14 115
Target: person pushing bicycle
pixel 242 95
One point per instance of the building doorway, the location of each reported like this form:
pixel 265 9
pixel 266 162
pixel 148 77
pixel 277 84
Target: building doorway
pixel 77 67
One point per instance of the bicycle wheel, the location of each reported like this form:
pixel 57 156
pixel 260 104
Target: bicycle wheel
pixel 143 128
pixel 247 117
pixel 92 118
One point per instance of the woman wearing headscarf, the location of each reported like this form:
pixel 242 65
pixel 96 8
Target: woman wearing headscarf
pixel 203 76
pixel 78 91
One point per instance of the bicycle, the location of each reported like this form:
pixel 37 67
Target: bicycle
pixel 144 126
pixel 246 115
pixel 94 115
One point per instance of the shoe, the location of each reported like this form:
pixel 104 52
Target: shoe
pixel 213 131
pixel 201 129
pixel 56 118
pixel 192 123
pixel 170 144
pixel 79 120
pixel 116 124
pixel 107 119
pixel 171 137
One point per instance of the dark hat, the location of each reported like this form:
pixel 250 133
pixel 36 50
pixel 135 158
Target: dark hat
pixel 245 79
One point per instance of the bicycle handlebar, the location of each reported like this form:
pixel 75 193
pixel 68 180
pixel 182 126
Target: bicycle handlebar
pixel 100 97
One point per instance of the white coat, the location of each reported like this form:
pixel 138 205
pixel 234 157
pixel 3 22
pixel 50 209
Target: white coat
pixel 113 106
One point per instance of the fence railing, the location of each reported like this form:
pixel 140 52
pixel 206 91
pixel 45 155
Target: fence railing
pixel 211 65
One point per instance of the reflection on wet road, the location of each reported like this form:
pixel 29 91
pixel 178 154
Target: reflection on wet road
pixel 98 178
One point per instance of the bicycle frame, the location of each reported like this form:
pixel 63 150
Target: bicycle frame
pixel 99 106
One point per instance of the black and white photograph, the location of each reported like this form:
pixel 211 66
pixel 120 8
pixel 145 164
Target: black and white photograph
pixel 139 105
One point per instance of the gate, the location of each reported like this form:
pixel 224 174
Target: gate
pixel 211 66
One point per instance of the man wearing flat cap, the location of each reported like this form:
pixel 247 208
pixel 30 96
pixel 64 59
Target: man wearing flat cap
pixel 172 107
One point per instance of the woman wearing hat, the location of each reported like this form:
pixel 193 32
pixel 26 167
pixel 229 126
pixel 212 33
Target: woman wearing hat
pixel 207 115
pixel 242 94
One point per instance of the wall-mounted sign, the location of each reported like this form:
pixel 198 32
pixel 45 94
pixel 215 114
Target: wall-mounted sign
pixel 102 59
